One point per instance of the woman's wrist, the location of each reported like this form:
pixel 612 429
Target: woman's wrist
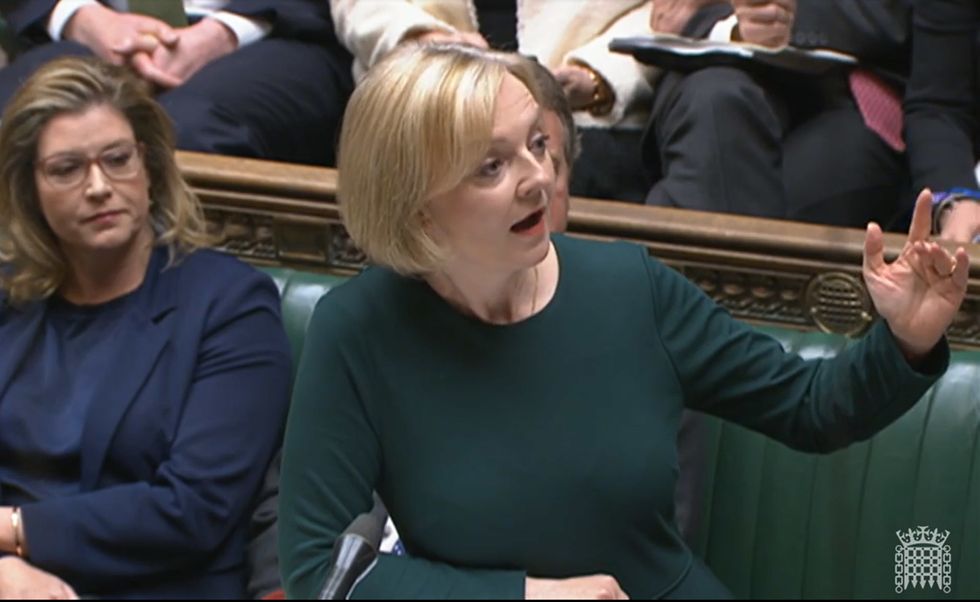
pixel 12 530
pixel 945 201
pixel 914 354
pixel 17 526
pixel 603 97
pixel 6 530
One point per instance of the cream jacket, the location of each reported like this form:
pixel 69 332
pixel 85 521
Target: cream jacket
pixel 554 31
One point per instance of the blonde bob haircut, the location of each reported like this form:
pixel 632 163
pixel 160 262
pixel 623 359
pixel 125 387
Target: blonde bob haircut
pixel 417 124
pixel 32 263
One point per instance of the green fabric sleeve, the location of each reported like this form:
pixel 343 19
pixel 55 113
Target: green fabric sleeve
pixel 729 369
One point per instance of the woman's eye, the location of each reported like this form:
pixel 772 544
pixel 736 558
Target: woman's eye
pixel 117 158
pixel 490 168
pixel 64 168
pixel 539 144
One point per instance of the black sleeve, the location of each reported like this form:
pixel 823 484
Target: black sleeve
pixel 941 99
pixel 28 18
pixel 875 31
pixel 296 19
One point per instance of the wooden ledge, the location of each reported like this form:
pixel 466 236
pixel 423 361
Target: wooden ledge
pixel 772 272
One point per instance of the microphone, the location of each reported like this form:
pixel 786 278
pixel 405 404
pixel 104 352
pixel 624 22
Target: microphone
pixel 354 553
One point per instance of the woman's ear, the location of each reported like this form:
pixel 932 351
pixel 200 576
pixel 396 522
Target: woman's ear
pixel 425 220
pixel 429 225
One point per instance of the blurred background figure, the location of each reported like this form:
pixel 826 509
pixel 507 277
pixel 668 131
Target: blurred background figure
pixel 942 104
pixel 251 78
pixel 780 144
pixel 558 124
pixel 608 92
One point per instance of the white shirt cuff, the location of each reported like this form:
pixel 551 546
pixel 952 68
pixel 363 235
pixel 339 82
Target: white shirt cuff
pixel 62 13
pixel 246 29
pixel 722 30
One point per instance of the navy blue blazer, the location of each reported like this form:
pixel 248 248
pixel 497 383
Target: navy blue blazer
pixel 177 443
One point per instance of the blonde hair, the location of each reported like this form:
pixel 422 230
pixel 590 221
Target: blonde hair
pixel 417 124
pixel 32 264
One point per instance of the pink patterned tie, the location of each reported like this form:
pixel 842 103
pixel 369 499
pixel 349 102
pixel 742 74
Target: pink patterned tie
pixel 880 106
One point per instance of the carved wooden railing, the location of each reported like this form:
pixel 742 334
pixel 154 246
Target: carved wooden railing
pixel 764 271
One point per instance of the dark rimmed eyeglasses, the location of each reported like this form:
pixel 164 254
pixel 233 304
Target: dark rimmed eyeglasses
pixel 68 170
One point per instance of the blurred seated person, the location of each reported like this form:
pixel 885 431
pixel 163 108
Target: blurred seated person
pixel 558 124
pixel 144 380
pixel 776 143
pixel 513 395
pixel 942 109
pixel 250 78
pixel 608 92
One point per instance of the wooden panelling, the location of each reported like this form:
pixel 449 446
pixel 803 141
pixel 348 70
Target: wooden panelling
pixel 764 271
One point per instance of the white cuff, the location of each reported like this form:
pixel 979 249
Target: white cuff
pixel 62 13
pixel 246 29
pixel 722 30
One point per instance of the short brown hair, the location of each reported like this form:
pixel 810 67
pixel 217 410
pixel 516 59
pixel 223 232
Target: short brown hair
pixel 554 99
pixel 33 264
pixel 417 124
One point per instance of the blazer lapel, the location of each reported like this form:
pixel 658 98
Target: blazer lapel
pixel 144 338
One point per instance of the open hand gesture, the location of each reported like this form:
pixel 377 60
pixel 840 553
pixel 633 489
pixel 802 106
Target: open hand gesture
pixel 920 292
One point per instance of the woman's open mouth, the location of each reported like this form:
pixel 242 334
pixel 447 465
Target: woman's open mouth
pixel 528 223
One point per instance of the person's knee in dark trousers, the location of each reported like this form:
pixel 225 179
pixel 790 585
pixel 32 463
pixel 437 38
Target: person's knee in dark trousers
pixel 714 144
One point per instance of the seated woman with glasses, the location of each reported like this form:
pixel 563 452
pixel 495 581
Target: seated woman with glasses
pixel 144 380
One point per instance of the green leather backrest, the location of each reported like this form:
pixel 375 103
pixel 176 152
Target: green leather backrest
pixel 300 292
pixel 780 523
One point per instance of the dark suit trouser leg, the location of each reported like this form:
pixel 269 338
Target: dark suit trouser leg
pixel 838 172
pixel 14 74
pixel 716 136
pixel 609 166
pixel 274 99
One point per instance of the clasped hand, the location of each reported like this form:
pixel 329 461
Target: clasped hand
pixel 160 54
pixel 920 292
pixel 763 22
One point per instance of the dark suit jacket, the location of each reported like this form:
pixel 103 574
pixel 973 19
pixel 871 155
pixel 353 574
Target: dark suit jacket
pixel 942 100
pixel 176 444
pixel 297 19
pixel 875 31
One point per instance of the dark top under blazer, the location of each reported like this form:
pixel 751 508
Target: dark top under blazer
pixel 177 439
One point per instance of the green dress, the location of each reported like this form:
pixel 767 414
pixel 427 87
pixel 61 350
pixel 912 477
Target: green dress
pixel 544 448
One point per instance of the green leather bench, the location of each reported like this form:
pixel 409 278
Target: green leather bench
pixel 779 523
pixel 300 291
